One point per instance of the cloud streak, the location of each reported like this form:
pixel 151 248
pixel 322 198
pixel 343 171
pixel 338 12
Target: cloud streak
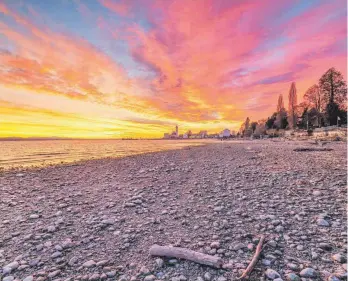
pixel 202 64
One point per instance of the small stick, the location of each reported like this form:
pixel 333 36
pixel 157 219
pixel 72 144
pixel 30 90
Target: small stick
pixel 253 262
pixel 182 253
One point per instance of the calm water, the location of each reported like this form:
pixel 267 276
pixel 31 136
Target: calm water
pixel 28 153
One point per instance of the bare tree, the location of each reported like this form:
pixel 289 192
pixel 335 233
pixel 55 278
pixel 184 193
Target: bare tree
pixel 314 98
pixel 334 87
pixel 280 105
pixel 292 115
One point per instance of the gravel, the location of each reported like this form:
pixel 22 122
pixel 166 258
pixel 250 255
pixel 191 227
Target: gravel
pixel 96 220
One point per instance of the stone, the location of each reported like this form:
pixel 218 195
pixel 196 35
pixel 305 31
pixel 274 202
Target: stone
pixel 322 222
pixel 182 278
pixel 207 276
pixel 89 264
pixel 316 192
pixel 221 278
pixel 56 255
pixel 278 279
pixel 111 273
pixel 94 277
pixel 73 261
pixel 173 261
pixel 308 272
pixel 292 277
pixel 272 274
pixel 339 258
pixel 53 273
pixel 150 278
pixel 34 216
pixel 159 262
pixel 333 278
pixel 215 245
pixel 102 262
pixel 8 278
pixel 28 278
pixel 12 265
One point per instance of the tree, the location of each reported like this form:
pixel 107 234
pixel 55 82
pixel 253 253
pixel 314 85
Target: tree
pixel 270 121
pixel 292 116
pixel 314 98
pixel 332 112
pixel 245 128
pixel 280 104
pixel 253 126
pixel 334 89
pixel 281 121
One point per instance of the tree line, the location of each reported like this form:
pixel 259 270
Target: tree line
pixel 324 104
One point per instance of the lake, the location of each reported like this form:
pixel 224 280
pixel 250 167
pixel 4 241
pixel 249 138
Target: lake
pixel 46 152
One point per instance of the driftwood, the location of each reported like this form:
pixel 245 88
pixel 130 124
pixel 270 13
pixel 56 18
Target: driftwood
pixel 253 262
pixel 182 253
pixel 300 149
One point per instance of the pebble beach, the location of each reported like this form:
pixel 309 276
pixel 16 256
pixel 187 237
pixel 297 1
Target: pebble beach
pixel 96 220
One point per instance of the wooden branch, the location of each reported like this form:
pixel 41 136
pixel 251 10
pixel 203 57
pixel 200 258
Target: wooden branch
pixel 253 262
pixel 182 253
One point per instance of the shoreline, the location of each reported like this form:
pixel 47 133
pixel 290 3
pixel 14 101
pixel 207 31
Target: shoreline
pixel 97 220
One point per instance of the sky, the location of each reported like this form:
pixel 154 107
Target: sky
pixel 136 68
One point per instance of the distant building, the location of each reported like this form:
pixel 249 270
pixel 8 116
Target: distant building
pixel 166 136
pixel 177 131
pixel 185 136
pixel 225 133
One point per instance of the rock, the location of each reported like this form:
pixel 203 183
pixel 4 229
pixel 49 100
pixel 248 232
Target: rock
pixel 314 255
pixel 333 278
pixel 278 279
pixel 173 261
pixel 316 192
pixel 34 216
pixel 322 222
pixel 159 262
pixel 94 277
pixel 111 273
pixel 266 262
pixel 182 278
pixel 279 228
pixel 339 258
pixel 150 278
pixel 73 261
pixel 215 245
pixel 325 246
pixel 102 263
pixel 53 273
pixel 292 277
pixel 8 278
pixel 308 273
pixel 89 264
pixel 272 274
pixel 28 278
pixel 207 276
pixel 56 255
pixel 12 265
pixel 221 278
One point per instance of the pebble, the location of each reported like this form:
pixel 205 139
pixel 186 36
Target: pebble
pixel 292 277
pixel 94 277
pixel 333 278
pixel 322 222
pixel 89 264
pixel 207 276
pixel 308 273
pixel 159 262
pixel 150 278
pixel 53 273
pixel 34 216
pixel 28 278
pixel 272 274
pixel 339 258
pixel 8 278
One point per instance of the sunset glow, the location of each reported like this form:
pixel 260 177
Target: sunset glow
pixel 136 68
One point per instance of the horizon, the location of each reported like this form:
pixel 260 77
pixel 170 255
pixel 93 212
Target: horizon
pixel 104 69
